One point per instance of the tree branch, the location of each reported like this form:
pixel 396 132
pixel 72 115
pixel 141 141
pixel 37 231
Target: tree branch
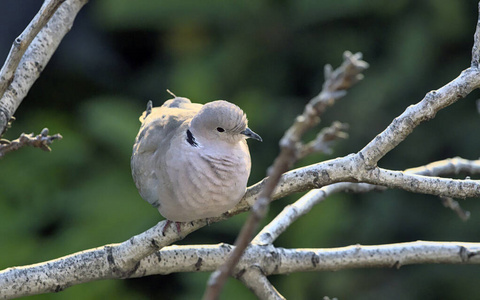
pixel 450 166
pixel 454 165
pixel 274 260
pixel 302 206
pixel 258 283
pixel 448 202
pixel 18 75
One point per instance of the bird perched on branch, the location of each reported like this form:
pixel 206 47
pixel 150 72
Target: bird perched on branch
pixel 191 161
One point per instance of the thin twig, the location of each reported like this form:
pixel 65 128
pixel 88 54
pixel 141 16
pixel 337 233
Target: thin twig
pixel 335 86
pixel 448 202
pixel 42 141
pixel 336 83
pixel 324 140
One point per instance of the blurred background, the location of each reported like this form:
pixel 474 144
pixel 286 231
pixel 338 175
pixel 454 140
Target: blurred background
pixel 267 57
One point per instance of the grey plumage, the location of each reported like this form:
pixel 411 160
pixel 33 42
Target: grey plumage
pixel 191 161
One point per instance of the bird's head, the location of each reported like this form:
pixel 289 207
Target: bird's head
pixel 223 121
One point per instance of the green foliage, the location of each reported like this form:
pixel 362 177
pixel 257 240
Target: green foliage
pixel 267 57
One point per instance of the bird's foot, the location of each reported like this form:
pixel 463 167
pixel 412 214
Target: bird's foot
pixel 177 225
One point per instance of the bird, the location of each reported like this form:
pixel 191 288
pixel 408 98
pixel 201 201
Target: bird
pixel 191 161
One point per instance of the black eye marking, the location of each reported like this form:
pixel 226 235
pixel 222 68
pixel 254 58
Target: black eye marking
pixel 220 129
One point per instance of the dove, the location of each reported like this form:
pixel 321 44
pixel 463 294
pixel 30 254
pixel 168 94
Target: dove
pixel 191 161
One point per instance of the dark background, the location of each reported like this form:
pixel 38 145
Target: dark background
pixel 267 57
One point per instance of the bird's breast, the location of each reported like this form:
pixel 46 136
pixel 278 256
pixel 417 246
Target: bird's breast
pixel 209 183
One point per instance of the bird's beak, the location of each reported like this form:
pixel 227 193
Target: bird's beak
pixel 250 134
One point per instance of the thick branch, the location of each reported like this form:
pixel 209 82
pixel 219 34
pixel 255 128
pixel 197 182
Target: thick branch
pixel 36 56
pixel 22 42
pixel 53 276
pixel 349 169
pixel 273 260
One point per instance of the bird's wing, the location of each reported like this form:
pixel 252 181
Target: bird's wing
pixel 153 140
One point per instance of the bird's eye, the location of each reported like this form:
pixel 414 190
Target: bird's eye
pixel 220 129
